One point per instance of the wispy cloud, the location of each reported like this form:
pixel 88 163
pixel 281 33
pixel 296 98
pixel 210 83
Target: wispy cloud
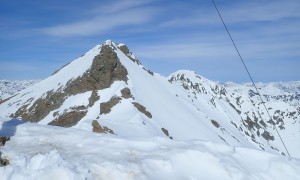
pixel 271 32
pixel 219 48
pixel 251 11
pixel 117 6
pixel 104 19
pixel 262 11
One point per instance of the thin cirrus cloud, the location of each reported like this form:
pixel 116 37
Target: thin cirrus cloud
pixel 267 11
pixel 271 31
pixel 118 6
pixel 253 11
pixel 104 19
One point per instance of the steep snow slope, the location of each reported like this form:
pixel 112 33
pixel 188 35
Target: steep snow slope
pixel 47 152
pixel 239 105
pixel 9 88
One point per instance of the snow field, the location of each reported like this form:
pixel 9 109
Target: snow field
pixel 46 152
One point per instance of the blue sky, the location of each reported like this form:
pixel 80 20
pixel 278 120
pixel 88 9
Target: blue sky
pixel 38 37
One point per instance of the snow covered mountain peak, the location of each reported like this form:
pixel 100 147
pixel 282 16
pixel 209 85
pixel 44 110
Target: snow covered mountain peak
pixel 108 90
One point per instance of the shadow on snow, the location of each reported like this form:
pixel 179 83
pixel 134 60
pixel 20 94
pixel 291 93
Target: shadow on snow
pixel 9 128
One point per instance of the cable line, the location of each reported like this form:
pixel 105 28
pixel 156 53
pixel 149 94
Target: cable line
pixel 249 75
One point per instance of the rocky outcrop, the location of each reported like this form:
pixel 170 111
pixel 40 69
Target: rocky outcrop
pixel 126 51
pixel 142 109
pixel 3 161
pixel 100 129
pixel 41 107
pixel 106 68
pixel 94 97
pixel 166 132
pixel 267 136
pixel 105 107
pixel 68 119
pixel 4 100
pixel 215 123
pixel 3 140
pixel 126 93
pixel 129 54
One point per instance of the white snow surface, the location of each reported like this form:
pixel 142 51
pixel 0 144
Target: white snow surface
pixel 11 87
pixel 41 152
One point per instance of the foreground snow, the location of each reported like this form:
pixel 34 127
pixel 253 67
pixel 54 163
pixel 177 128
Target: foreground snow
pixel 46 152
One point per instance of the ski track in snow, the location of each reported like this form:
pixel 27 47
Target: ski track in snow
pixel 47 152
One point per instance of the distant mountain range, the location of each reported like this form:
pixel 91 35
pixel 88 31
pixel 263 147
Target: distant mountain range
pixel 108 90
pixel 11 87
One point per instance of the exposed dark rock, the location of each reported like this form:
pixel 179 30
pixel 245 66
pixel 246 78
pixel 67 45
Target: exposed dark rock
pixel 142 109
pixel 78 108
pixel 271 122
pixel 105 107
pixel 41 107
pixel 267 136
pixel 166 132
pixel 224 140
pixel 68 119
pixel 126 51
pixel 4 100
pixel 94 97
pixel 263 123
pixel 55 113
pixel 233 124
pixel 148 71
pixel 106 68
pixel 3 140
pixel 4 162
pixel 251 124
pixel 126 93
pixel 238 111
pixel 213 102
pixel 215 123
pixel 101 129
pixel 246 132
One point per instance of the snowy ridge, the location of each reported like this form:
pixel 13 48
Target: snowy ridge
pixel 243 108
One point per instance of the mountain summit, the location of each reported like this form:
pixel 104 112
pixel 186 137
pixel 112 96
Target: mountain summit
pixel 108 90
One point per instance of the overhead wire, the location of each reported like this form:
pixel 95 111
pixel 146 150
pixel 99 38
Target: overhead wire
pixel 248 72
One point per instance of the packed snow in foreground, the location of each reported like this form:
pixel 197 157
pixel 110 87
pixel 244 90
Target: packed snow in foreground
pixel 46 152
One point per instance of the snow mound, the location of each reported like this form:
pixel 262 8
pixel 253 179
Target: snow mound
pixel 47 152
